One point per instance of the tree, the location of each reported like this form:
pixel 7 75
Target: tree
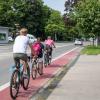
pixel 27 13
pixel 69 4
pixel 87 14
pixel 70 22
pixel 55 24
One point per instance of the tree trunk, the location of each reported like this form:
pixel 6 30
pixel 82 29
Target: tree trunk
pixel 98 40
pixel 55 37
pixel 93 41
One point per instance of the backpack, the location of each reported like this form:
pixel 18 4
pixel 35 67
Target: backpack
pixel 37 48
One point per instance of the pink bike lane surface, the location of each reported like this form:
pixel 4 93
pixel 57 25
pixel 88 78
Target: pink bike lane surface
pixel 40 81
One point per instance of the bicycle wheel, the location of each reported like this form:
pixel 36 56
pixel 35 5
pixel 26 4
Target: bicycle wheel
pixel 49 61
pixel 26 79
pixel 49 56
pixel 14 84
pixel 45 60
pixel 40 68
pixel 34 70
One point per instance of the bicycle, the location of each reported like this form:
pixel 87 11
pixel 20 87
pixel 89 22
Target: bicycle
pixel 18 79
pixel 47 57
pixel 36 67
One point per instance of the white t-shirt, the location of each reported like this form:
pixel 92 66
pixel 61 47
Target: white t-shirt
pixel 20 44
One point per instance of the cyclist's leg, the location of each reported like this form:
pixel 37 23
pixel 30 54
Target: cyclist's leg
pixel 40 66
pixel 17 64
pixel 45 57
pixel 26 72
pixel 40 56
pixel 24 58
pixel 40 63
pixel 50 53
pixel 16 59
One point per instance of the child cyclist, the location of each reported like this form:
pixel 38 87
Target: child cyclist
pixel 37 50
pixel 49 44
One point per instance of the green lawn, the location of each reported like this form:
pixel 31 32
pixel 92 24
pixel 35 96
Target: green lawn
pixel 91 50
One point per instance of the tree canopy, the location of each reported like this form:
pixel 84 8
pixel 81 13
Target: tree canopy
pixel 40 19
pixel 55 24
pixel 86 15
pixel 26 13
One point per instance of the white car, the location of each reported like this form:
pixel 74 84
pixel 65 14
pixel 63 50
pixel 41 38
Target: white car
pixel 31 38
pixel 78 42
pixel 10 39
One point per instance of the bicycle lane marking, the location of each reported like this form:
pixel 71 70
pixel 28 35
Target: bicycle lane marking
pixel 38 83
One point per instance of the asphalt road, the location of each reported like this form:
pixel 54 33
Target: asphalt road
pixel 6 59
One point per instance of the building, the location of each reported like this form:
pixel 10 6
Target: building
pixel 4 34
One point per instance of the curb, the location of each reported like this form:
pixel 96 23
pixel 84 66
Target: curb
pixel 38 94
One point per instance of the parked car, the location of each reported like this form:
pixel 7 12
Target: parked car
pixel 31 38
pixel 10 39
pixel 78 42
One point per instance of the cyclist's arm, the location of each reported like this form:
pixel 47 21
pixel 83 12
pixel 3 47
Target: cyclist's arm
pixel 30 45
pixel 53 44
pixel 43 47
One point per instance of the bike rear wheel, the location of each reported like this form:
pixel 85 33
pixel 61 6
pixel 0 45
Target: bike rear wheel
pixel 49 60
pixel 26 79
pixel 14 84
pixel 40 68
pixel 45 60
pixel 34 71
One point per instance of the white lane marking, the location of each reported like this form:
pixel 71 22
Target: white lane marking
pixel 64 54
pixel 8 84
pixel 4 86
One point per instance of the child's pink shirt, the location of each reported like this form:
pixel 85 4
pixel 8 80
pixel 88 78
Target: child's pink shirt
pixel 49 42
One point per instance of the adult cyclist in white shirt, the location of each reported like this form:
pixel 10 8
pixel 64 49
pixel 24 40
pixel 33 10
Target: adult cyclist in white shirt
pixel 20 46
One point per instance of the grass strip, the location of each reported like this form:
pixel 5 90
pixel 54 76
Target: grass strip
pixel 91 50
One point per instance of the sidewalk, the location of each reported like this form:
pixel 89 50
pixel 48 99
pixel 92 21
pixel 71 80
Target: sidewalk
pixel 82 81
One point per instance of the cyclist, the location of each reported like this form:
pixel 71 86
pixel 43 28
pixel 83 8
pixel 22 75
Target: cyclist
pixel 37 50
pixel 19 48
pixel 49 44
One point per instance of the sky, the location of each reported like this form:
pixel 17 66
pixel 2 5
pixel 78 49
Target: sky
pixel 56 4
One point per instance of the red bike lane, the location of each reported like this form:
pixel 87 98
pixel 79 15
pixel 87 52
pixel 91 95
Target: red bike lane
pixel 40 81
